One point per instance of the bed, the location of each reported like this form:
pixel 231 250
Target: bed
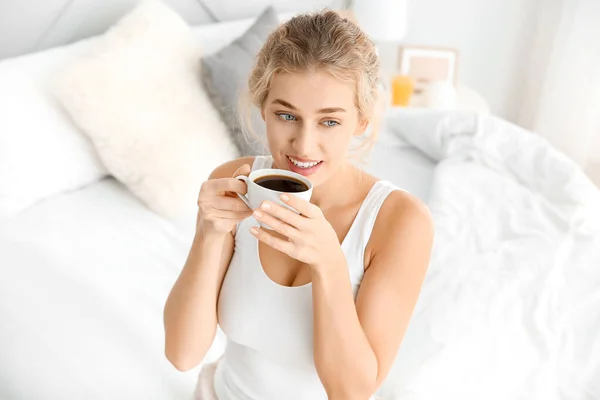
pixel 510 308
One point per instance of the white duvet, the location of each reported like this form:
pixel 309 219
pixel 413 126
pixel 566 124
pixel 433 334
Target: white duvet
pixel 84 277
pixel 510 308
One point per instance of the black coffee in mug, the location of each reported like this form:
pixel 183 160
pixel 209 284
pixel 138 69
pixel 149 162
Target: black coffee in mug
pixel 281 183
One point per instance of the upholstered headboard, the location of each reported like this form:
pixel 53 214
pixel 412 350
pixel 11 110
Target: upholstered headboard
pixel 31 25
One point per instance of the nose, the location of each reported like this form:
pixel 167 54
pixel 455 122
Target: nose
pixel 305 142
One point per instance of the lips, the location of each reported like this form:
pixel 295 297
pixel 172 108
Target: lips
pixel 302 163
pixel 303 166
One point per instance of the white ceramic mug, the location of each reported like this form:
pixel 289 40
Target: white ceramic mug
pixel 257 194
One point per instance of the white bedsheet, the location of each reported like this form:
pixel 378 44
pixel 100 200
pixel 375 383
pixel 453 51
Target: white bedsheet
pixel 83 280
pixel 510 308
pixel 84 277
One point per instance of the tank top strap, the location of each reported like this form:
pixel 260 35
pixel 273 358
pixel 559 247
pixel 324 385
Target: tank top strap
pixel 261 162
pixel 371 206
pixel 360 232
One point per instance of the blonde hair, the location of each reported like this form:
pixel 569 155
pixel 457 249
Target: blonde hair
pixel 318 41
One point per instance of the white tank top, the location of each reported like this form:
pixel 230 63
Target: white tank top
pixel 269 327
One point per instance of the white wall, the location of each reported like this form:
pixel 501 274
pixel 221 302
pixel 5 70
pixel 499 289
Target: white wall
pixel 32 25
pixel 493 37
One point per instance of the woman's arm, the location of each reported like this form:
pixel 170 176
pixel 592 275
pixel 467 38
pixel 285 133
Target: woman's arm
pixel 356 344
pixel 190 313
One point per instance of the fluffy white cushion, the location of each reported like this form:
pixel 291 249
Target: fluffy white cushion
pixel 42 152
pixel 137 95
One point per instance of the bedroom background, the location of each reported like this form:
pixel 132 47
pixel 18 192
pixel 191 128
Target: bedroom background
pixel 533 61
pixel 101 158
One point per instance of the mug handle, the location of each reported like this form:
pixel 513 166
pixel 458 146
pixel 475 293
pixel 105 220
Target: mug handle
pixel 241 196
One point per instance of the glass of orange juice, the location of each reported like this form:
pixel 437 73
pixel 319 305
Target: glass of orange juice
pixel 402 89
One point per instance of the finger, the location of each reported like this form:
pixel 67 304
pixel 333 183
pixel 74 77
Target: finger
pixel 243 170
pixel 278 244
pixel 278 225
pixel 224 214
pixel 229 204
pixel 286 215
pixel 305 208
pixel 230 185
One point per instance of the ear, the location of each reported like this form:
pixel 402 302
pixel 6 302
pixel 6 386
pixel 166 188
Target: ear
pixel 262 114
pixel 361 127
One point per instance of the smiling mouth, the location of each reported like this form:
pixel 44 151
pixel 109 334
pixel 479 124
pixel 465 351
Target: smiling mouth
pixel 303 164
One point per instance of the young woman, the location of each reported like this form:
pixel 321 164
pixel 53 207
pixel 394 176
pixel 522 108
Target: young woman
pixel 317 307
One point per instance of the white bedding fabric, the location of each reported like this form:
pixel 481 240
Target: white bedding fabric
pixel 510 308
pixel 84 279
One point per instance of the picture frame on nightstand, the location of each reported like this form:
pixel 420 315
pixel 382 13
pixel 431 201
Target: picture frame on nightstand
pixel 427 64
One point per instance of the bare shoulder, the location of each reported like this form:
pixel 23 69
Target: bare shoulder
pixel 404 223
pixel 227 169
pixel 401 207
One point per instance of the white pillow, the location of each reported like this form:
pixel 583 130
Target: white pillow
pixel 137 95
pixel 42 152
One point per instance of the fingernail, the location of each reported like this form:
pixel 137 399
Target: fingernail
pixel 254 231
pixel 284 197
pixel 258 214
pixel 265 206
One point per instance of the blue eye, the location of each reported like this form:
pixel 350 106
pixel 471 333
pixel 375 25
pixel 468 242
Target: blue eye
pixel 286 117
pixel 330 123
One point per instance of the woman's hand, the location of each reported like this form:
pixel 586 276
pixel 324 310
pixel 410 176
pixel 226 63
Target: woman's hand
pixel 312 240
pixel 220 209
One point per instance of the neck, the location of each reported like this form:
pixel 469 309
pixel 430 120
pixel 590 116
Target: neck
pixel 337 189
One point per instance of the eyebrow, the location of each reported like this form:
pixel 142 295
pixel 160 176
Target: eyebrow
pixel 327 110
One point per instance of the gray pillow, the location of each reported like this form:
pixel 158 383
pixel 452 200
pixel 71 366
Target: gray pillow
pixel 225 75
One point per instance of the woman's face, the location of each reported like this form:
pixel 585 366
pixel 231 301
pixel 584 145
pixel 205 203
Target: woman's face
pixel 311 119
